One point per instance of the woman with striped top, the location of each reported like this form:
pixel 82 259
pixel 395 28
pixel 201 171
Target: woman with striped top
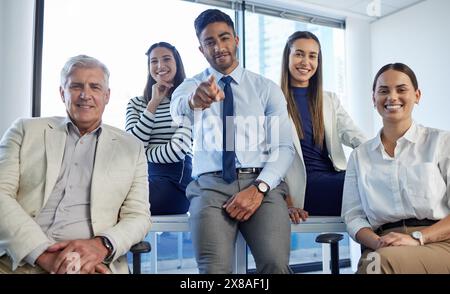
pixel 168 146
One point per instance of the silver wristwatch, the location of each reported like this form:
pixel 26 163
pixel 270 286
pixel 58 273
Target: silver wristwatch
pixel 418 236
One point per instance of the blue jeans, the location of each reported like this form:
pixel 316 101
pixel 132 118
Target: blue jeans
pixel 167 185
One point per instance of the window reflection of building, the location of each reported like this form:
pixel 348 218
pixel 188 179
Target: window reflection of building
pixel 265 39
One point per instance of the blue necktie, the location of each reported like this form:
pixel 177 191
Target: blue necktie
pixel 228 154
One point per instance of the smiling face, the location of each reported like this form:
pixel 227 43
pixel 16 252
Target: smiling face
pixel 219 45
pixel 162 65
pixel 303 61
pixel 85 95
pixel 395 96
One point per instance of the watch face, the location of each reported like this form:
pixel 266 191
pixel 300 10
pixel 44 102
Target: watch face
pixel 262 187
pixel 107 244
pixel 416 235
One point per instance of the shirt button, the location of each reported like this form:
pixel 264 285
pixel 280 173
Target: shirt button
pixel 76 163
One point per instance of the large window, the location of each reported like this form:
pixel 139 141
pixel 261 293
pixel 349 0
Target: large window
pixel 120 32
pixel 265 38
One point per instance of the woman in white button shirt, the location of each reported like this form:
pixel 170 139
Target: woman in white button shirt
pixel 397 188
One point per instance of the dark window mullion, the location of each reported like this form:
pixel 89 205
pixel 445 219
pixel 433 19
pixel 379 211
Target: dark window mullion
pixel 37 57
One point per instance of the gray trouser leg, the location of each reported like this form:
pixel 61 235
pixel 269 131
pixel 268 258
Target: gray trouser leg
pixel 214 233
pixel 268 233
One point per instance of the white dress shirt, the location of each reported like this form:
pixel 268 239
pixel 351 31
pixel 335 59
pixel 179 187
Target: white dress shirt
pixel 381 189
pixel 262 129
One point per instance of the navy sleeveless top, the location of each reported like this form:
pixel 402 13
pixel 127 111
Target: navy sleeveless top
pixel 324 185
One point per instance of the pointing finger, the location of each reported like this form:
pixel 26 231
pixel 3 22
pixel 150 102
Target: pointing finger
pixel 220 96
pixel 212 79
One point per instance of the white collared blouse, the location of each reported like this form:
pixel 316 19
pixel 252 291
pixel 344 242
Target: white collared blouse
pixel 414 183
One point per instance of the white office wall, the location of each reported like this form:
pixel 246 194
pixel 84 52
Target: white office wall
pixel 16 60
pixel 359 67
pixel 419 37
pixel 358 100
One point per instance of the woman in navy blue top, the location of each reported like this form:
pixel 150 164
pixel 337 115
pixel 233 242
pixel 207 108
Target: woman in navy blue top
pixel 320 127
pixel 323 195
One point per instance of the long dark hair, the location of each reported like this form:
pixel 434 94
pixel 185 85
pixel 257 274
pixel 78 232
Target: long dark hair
pixel 401 67
pixel 179 75
pixel 315 90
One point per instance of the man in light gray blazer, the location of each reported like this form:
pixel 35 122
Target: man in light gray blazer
pixel 73 191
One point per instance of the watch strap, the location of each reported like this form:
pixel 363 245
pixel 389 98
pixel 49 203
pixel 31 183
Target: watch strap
pixel 108 245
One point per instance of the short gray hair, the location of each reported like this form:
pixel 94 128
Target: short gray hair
pixel 82 61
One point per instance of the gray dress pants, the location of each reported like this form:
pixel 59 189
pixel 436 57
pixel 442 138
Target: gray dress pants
pixel 267 232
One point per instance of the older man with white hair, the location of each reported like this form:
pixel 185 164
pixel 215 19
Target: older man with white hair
pixel 73 191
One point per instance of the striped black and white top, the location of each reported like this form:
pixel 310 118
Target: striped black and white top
pixel 164 141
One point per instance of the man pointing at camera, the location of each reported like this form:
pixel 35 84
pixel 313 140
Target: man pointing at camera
pixel 242 151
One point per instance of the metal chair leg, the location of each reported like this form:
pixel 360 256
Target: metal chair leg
pixel 332 239
pixel 137 250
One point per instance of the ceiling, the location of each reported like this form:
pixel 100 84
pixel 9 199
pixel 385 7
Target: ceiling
pixel 359 7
